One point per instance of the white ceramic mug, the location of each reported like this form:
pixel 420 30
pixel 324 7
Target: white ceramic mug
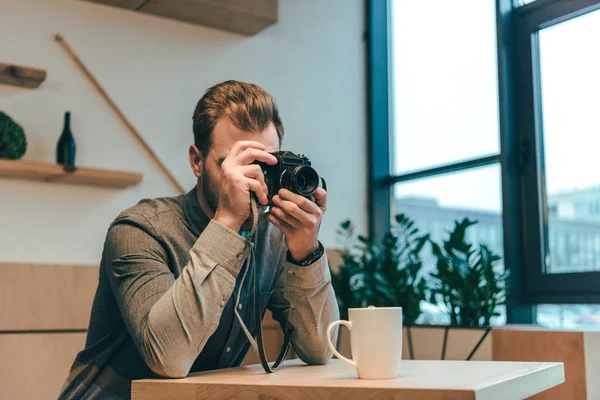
pixel 375 340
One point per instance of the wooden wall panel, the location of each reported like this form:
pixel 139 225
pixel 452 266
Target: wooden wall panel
pixel 592 363
pixel 46 297
pixel 34 366
pixel 543 345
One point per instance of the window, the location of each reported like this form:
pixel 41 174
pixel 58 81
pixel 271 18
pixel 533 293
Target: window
pixel 444 83
pixel 569 316
pixel 442 126
pixel 436 202
pixel 570 87
pixel 557 124
pixel 487 109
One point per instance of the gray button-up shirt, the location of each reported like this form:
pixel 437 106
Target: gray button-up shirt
pixel 163 306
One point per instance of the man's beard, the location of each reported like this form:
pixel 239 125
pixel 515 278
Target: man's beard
pixel 211 196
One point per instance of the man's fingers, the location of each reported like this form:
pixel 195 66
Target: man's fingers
pixel 255 172
pixel 249 155
pixel 284 216
pixel 320 196
pixel 279 223
pixel 291 208
pixel 305 219
pixel 301 201
pixel 257 188
pixel 242 145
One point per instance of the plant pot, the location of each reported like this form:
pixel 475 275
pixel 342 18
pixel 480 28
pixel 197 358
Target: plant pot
pixel 428 343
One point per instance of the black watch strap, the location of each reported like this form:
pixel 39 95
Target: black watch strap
pixel 310 259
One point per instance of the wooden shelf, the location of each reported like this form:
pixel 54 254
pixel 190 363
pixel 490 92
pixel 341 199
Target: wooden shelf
pixel 242 17
pixel 19 75
pixel 46 172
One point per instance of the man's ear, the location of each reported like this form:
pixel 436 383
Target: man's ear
pixel 196 160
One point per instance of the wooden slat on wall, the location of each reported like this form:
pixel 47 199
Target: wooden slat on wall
pixel 46 297
pixel 34 366
pixel 19 75
pixel 543 345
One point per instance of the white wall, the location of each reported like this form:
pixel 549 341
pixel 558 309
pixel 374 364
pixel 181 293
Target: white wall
pixel 155 69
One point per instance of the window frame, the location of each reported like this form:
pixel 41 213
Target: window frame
pixel 540 287
pixel 519 159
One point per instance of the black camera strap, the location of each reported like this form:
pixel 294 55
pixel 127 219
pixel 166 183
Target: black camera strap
pixel 258 344
pixel 287 339
pixel 323 183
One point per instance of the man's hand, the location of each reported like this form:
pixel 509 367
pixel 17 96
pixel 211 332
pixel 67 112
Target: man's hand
pixel 239 177
pixel 299 219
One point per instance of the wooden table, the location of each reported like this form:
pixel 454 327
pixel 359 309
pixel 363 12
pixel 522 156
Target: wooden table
pixel 418 380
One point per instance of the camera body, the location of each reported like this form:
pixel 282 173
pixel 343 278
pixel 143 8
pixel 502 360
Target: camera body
pixel 293 172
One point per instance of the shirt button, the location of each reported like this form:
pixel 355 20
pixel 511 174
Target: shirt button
pixel 290 271
pixel 240 256
pixel 228 349
pixel 222 303
pixel 239 306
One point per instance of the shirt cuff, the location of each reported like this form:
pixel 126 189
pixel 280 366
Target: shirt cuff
pixel 312 275
pixel 223 246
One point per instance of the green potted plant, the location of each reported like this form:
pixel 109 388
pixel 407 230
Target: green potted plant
pixel 384 274
pixel 13 142
pixel 387 273
pixel 467 280
pixel 468 284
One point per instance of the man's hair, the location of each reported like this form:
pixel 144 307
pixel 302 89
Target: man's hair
pixel 247 106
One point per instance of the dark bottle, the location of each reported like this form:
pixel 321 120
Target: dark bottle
pixel 65 149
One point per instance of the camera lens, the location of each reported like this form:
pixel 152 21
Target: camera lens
pixel 305 180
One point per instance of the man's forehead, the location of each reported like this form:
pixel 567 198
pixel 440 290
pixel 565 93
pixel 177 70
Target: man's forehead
pixel 226 135
pixel 221 151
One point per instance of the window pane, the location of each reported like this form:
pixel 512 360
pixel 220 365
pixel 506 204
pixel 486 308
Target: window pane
pixel 569 316
pixel 571 123
pixel 435 203
pixel 445 97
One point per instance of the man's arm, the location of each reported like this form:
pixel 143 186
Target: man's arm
pixel 171 319
pixel 307 289
pixel 305 299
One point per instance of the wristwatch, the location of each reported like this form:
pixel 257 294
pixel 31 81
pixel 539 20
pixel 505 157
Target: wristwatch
pixel 311 258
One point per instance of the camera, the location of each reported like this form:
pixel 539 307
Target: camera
pixel 292 172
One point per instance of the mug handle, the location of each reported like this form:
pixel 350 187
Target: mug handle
pixel 348 325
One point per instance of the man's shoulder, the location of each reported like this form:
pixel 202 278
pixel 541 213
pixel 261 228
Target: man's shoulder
pixel 150 212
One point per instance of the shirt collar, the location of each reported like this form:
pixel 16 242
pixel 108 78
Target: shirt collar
pixel 193 212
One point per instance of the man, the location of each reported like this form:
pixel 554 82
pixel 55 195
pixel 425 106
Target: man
pixel 170 269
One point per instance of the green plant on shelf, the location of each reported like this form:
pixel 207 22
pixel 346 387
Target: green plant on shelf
pixel 13 142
